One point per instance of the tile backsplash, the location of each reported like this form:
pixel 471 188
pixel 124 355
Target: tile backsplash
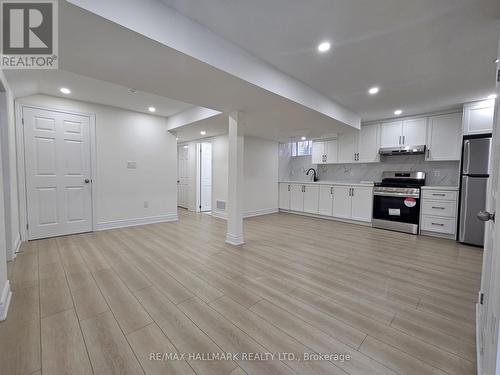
pixel 439 173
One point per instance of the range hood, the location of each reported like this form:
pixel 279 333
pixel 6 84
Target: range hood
pixel 403 150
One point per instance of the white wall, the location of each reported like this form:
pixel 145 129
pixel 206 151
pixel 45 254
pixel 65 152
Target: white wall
pixel 219 173
pixel 123 136
pixel 260 174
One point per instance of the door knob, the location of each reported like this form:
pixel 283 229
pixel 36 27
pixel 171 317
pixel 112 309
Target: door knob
pixel 485 216
pixel 86 180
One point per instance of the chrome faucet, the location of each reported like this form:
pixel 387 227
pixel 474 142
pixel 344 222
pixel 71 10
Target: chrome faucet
pixel 315 178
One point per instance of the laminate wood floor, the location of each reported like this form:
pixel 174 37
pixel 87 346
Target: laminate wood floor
pixel 101 303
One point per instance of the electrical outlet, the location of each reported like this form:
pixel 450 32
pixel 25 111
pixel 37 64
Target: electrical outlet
pixel 437 173
pixel 146 204
pixel 131 164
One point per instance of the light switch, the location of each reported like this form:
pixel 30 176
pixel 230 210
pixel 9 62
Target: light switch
pixel 131 164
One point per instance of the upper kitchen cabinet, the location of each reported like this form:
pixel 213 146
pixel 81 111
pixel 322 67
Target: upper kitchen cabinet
pixel 360 146
pixel 478 117
pixel 391 134
pixel 368 144
pixel 444 138
pixel 347 147
pixel 410 132
pixel 414 132
pixel 325 152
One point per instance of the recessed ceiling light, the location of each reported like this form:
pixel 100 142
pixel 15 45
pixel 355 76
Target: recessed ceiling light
pixel 65 90
pixel 186 146
pixel 373 90
pixel 303 138
pixel 492 96
pixel 176 138
pixel 203 132
pixel 496 61
pixel 397 112
pixel 152 109
pixel 132 90
pixel 324 47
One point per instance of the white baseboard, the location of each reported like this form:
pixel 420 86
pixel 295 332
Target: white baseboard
pixel 5 301
pixel 348 221
pixel 11 255
pixel 235 240
pixel 265 211
pixel 219 215
pixel 134 222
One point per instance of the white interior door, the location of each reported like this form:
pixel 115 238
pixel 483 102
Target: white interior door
pixel 205 177
pixel 58 173
pixel 488 312
pixel 182 176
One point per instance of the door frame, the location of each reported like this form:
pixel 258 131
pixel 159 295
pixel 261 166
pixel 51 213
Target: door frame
pixel 21 163
pixel 198 174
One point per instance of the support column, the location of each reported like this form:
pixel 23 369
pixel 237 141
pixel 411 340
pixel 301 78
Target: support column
pixel 234 234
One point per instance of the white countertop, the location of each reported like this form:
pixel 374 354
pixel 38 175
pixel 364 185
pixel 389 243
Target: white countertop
pixel 447 188
pixel 324 182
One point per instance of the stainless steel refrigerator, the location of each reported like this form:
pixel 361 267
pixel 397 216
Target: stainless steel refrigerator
pixel 474 180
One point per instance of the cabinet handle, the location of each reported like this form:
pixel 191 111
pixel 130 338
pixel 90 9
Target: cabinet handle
pixel 438 194
pixel 288 187
pixel 399 139
pixel 428 153
pixel 303 188
pixel 403 139
pixel 438 208
pixel 352 191
pixel 331 190
pixel 438 224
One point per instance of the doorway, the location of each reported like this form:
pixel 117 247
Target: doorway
pixel 183 176
pixel 204 180
pixel 58 175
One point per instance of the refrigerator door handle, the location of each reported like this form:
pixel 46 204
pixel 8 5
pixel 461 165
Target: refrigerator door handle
pixel 463 208
pixel 466 158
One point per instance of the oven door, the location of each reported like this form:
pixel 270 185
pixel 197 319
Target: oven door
pixel 396 208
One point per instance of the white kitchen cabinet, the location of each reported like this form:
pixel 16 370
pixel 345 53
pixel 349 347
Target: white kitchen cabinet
pixel 414 132
pixel 296 197
pixel 478 117
pixel 284 196
pixel 391 134
pixel 347 147
pixel 362 202
pixel 444 137
pixel 368 144
pixel 318 152
pixel 324 152
pixel 331 151
pixel 311 198
pixel 409 132
pixel 325 207
pixel 342 202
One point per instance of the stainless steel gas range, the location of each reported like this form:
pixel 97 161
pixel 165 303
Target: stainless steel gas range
pixel 396 201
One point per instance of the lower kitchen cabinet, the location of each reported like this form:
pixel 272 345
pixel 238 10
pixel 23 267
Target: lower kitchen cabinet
pixel 296 197
pixel 325 206
pixel 284 196
pixel 342 202
pixel 311 198
pixel 362 204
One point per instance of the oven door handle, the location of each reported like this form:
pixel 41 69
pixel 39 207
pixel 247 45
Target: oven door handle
pixel 385 194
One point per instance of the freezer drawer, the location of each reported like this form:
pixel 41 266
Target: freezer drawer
pixel 473 200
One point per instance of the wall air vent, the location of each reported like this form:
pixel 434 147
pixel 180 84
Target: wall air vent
pixel 221 205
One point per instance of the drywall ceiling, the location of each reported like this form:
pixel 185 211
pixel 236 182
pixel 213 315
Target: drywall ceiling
pixel 49 82
pixel 213 126
pixel 425 55
pixel 95 47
